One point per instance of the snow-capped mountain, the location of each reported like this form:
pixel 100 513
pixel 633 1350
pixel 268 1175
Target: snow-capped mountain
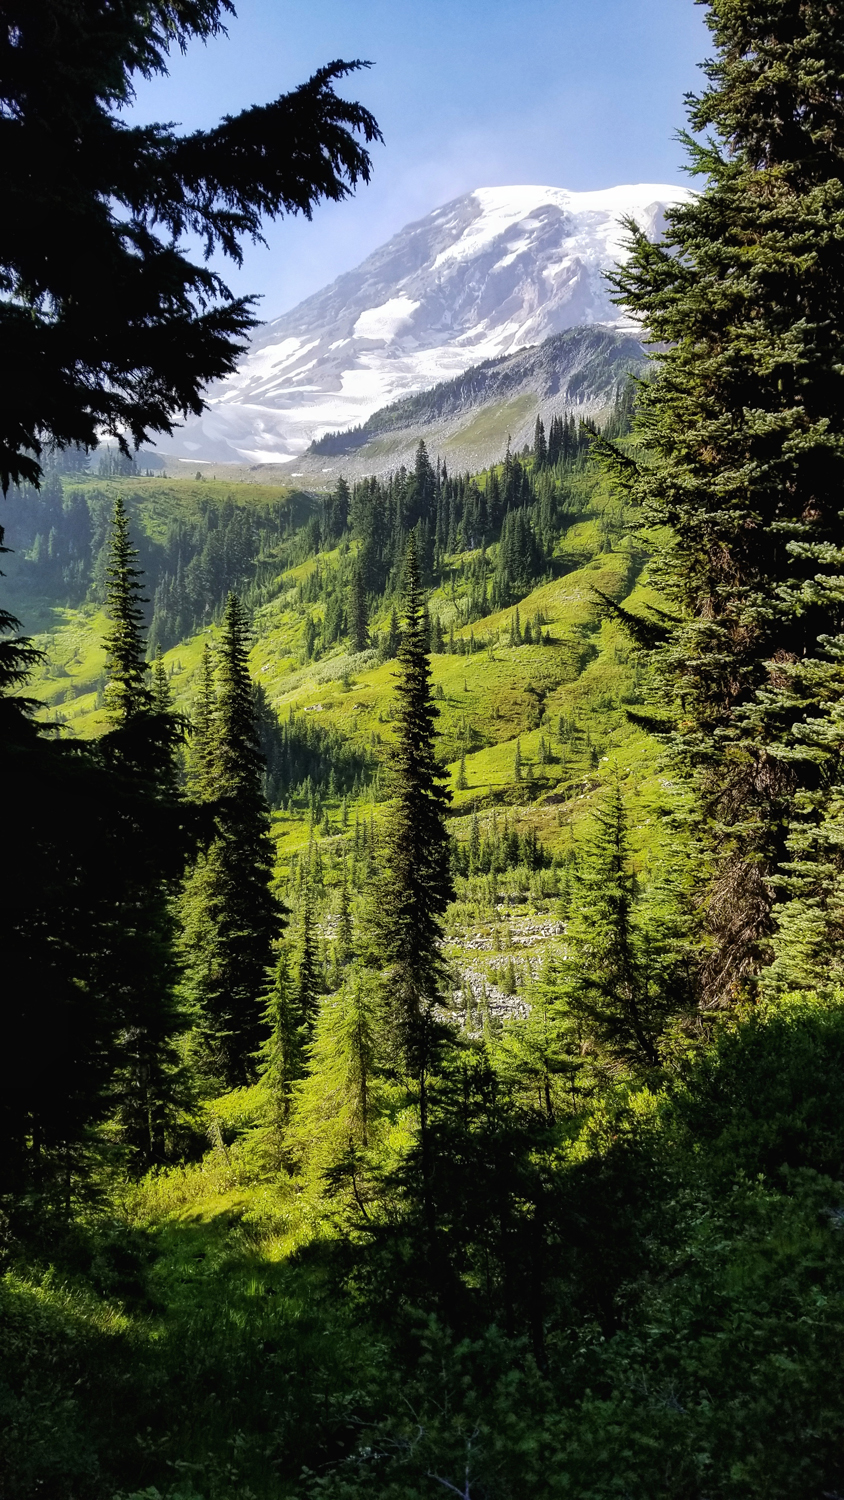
pixel 489 273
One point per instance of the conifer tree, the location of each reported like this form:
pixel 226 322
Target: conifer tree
pixel 343 947
pixel 307 966
pixel 337 1102
pixel 744 436
pixel 625 973
pixel 539 1055
pixel 282 1054
pixel 201 757
pixel 149 1081
pixel 390 645
pixel 540 447
pixel 416 887
pixel 358 621
pixel 231 916
pixel 162 698
pixel 128 692
pixel 125 336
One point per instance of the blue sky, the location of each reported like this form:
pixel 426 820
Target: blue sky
pixel 468 94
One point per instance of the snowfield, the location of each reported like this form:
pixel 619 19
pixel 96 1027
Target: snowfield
pixel 492 272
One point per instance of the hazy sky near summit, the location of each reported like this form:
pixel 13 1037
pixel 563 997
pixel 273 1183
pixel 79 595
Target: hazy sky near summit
pixel 468 93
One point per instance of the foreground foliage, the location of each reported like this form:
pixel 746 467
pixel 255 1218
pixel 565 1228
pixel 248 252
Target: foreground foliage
pixel 691 1318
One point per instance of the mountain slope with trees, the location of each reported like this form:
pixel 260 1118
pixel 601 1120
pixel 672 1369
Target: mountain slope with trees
pixel 508 1158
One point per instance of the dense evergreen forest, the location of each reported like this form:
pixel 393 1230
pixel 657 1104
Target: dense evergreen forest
pixel 423 1055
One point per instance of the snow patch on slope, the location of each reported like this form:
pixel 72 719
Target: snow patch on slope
pixel 387 321
pixel 492 272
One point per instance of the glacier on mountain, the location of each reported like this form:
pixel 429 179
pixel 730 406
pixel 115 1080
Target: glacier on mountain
pixel 485 275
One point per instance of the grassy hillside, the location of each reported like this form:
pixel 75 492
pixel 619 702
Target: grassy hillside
pixel 217 1330
pixel 558 707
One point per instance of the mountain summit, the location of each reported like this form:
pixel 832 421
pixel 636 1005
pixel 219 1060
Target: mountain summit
pixel 487 274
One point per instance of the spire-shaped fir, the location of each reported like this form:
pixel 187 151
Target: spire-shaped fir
pixel 202 760
pixel 149 1082
pixel 308 984
pixel 743 430
pixel 231 915
pixel 128 691
pixel 282 1054
pixel 161 696
pixel 540 446
pixel 416 886
pixel 358 618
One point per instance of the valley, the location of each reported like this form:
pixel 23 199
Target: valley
pixel 422 756
pixel 559 708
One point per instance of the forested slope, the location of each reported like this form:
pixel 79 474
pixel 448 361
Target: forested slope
pixel 280 1281
pixel 423 938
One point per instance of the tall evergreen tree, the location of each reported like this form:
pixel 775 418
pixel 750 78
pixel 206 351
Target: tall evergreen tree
pixel 231 916
pixel 336 1105
pixel 416 886
pixel 97 841
pixel 307 966
pixel 202 756
pixel 625 972
pixel 390 645
pixel 540 446
pixel 162 698
pixel 358 620
pixel 149 1083
pixel 128 691
pixel 282 1054
pixel 111 325
pixel 744 435
pixel 344 942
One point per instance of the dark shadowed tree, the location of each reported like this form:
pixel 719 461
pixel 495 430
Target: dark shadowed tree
pixel 128 693
pixel 140 971
pixel 743 429
pixel 111 325
pixel 231 916
pixel 358 621
pixel 201 754
pixel 282 1054
pixel 416 887
pixel 308 984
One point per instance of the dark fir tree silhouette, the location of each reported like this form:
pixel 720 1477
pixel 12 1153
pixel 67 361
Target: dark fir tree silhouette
pixel 231 917
pixel 744 426
pixel 110 325
pixel 149 1082
pixel 128 692
pixel 282 1054
pixel 344 940
pixel 625 972
pixel 162 698
pixel 390 644
pixel 202 757
pixel 308 984
pixel 97 844
pixel 358 621
pixel 416 887
pixel 540 446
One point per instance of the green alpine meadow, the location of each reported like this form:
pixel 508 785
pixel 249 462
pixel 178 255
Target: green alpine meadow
pixel 422 919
